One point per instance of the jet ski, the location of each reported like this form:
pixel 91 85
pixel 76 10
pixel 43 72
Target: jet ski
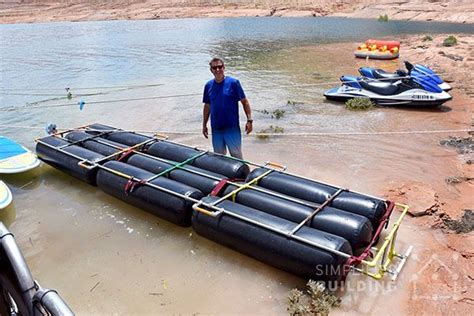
pixel 408 91
pixel 417 71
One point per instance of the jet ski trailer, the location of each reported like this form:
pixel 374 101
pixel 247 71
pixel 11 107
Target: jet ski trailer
pixel 308 228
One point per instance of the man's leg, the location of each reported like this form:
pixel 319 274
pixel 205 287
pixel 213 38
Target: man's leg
pixel 233 140
pixel 218 142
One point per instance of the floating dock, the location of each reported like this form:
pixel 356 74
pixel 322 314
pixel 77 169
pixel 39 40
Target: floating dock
pixel 309 228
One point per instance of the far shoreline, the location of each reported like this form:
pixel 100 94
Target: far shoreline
pixel 14 12
pixel 250 17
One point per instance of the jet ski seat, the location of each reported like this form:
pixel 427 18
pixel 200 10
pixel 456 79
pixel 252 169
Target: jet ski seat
pixel 383 88
pixel 382 74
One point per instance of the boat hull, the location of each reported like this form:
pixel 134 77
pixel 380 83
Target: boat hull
pixel 5 195
pixel 411 98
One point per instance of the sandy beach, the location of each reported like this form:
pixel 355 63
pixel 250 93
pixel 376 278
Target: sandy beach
pixel 435 204
pixel 442 210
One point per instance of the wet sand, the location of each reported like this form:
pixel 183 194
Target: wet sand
pixel 106 257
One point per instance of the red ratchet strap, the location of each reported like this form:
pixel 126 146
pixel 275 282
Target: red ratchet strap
pixel 220 186
pixel 125 154
pixel 132 185
pixel 353 260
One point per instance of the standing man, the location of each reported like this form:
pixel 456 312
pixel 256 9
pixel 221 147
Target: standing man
pixel 221 101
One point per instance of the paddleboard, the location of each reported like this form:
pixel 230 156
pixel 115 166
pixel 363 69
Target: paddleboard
pixel 5 195
pixel 15 158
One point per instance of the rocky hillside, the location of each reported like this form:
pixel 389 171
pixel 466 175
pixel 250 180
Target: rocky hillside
pixel 20 11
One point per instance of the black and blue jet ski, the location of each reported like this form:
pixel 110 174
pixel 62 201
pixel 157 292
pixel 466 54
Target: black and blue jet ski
pixel 416 71
pixel 408 91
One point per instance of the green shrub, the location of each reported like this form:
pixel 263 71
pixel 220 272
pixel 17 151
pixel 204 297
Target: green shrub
pixel 263 134
pixel 450 41
pixel 427 38
pixel 319 300
pixel 359 104
pixel 277 129
pixel 278 114
pixel 383 18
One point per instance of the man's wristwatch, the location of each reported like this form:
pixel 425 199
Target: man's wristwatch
pixel 250 121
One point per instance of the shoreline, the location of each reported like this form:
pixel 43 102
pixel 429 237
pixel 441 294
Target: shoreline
pixel 445 208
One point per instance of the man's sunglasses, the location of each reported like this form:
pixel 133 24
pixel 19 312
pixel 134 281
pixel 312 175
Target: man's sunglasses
pixel 217 67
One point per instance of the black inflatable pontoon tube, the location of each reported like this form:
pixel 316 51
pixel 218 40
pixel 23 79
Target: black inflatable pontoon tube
pixel 356 229
pixel 271 247
pixel 65 162
pixel 219 164
pixel 202 183
pixel 228 167
pixel 99 145
pixel 316 192
pixel 168 206
pixel 122 137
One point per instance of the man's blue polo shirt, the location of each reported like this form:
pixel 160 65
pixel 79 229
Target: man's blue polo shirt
pixel 224 99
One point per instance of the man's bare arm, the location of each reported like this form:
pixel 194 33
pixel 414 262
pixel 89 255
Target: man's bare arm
pixel 248 113
pixel 206 111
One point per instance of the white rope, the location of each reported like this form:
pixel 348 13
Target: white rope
pixel 72 88
pixel 316 84
pixel 29 107
pixel 83 88
pixel 468 130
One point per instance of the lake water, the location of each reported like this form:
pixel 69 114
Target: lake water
pixel 107 257
pixel 38 61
